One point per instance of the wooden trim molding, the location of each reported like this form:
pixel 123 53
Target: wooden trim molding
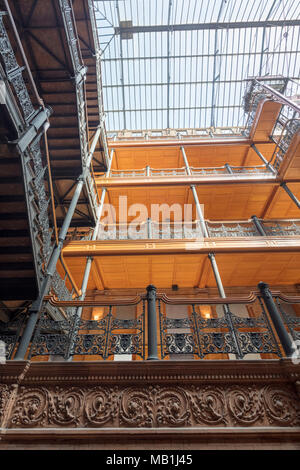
pixel 205 246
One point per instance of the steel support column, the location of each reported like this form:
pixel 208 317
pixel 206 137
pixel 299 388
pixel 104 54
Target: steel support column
pixel 282 333
pixel 200 213
pixel 225 306
pixel 89 261
pixel 187 166
pixel 291 194
pixel 152 324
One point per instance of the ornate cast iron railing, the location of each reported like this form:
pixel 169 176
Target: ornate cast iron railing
pixel 10 334
pixel 33 167
pixel 79 78
pixel 109 336
pixel 172 134
pixel 255 93
pixel 189 328
pixel 34 170
pixel 287 124
pixel 226 333
pixel 228 170
pixel 288 311
pixel 178 230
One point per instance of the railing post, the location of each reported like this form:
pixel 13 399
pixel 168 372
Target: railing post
pixel 258 226
pixel 147 170
pixel 282 333
pixel 152 324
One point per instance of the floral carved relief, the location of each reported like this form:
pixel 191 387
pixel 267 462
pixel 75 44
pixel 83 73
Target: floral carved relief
pixel 156 406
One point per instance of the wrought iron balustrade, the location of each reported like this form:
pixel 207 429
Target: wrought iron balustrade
pixel 188 328
pixel 200 334
pixel 256 92
pixel 31 158
pixel 172 134
pixel 104 338
pixel 79 79
pixel 290 313
pixel 32 116
pixel 190 230
pixel 287 124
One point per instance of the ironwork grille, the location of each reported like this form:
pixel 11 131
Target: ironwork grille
pixel 226 334
pixel 290 314
pixel 104 338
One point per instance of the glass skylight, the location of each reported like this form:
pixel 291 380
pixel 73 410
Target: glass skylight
pixel 182 63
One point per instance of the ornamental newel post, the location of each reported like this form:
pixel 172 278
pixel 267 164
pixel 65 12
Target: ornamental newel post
pixel 152 324
pixel 283 335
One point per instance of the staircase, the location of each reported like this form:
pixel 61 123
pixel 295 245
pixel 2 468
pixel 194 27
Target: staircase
pixel 18 265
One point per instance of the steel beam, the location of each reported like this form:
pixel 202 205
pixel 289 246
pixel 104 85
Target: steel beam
pixel 205 26
pixel 291 194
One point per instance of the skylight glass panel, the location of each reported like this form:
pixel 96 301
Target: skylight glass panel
pixel 165 64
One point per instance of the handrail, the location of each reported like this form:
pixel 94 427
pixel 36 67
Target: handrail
pixel 283 99
pixel 282 135
pixel 174 300
pixel 142 171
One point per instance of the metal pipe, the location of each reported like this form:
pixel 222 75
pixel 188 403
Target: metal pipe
pixel 268 165
pixel 283 335
pixel 225 306
pixel 217 275
pixel 258 226
pixel 289 192
pixel 199 212
pixel 149 228
pixel 89 261
pixel 107 174
pixel 187 167
pixel 228 168
pixel 152 324
pixel 37 305
pixel 51 186
pixel 86 276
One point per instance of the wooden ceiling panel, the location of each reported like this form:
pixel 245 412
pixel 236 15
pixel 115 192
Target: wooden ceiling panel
pixel 282 206
pixel 219 202
pixel 233 201
pixel 198 156
pixel 236 270
pixel 137 158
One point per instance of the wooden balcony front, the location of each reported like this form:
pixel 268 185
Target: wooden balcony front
pixel 153 405
pixel 229 380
